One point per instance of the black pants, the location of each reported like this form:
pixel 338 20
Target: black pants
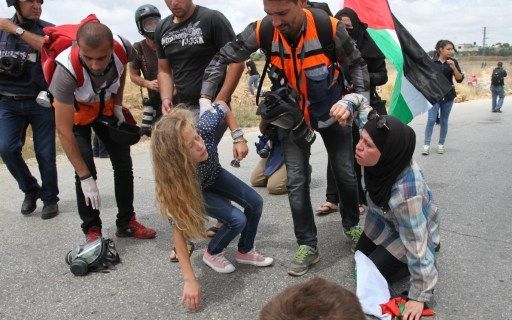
pixel 390 267
pixel 123 175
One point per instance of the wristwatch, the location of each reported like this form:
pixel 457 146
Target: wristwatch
pixel 20 31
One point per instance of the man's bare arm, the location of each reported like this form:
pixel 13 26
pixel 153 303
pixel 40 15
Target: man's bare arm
pixel 64 119
pixel 34 40
pixel 166 84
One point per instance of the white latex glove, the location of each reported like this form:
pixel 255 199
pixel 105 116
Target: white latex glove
pixel 205 105
pixel 118 113
pixel 91 193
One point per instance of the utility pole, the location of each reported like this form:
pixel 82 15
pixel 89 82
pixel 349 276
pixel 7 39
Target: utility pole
pixel 484 39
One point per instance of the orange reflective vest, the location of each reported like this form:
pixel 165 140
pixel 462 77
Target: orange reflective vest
pixel 307 62
pixel 87 100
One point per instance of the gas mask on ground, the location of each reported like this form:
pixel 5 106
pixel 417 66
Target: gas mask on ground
pixel 98 255
pixel 281 109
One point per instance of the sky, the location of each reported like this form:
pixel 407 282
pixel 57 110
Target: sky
pixel 460 21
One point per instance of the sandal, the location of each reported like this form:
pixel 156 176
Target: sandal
pixel 212 231
pixel 174 257
pixel 326 208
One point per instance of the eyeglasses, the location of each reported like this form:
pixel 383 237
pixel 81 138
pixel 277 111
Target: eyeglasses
pixel 381 121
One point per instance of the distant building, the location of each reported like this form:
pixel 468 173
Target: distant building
pixel 467 47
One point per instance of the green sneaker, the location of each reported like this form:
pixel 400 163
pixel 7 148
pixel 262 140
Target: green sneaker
pixel 354 233
pixel 305 257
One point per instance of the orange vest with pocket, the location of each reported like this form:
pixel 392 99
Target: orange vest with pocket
pixel 308 62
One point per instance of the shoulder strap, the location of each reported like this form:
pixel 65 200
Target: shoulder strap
pixel 324 31
pixel 77 66
pixel 265 34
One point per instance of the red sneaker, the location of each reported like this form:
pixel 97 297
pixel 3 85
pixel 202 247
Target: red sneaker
pixel 136 229
pixel 93 233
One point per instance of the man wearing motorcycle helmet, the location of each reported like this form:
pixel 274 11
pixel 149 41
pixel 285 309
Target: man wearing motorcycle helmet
pixel 144 68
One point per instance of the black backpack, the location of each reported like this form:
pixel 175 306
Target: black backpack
pixel 497 77
pixel 324 30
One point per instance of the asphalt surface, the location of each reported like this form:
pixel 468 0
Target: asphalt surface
pixel 471 183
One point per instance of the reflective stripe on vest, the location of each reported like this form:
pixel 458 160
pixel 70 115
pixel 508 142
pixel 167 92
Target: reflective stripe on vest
pixel 314 56
pixel 89 101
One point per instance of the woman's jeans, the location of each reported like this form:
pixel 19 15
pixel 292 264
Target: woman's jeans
pixel 445 107
pixel 15 115
pixel 218 199
pixel 253 83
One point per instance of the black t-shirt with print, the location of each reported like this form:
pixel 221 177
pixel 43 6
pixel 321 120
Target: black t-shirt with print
pixel 189 47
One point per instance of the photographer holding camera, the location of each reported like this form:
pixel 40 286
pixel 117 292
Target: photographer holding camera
pixel 145 62
pixel 304 49
pixel 21 80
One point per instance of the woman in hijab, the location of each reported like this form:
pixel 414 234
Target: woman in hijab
pixel 376 63
pixel 401 234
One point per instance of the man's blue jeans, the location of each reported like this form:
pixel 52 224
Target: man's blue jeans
pixel 15 115
pixel 446 108
pixel 338 142
pixel 218 205
pixel 498 95
pixel 253 83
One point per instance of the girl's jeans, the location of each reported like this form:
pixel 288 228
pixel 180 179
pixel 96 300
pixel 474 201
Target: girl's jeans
pixel 445 107
pixel 218 199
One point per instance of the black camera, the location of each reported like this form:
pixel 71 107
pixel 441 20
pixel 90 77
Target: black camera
pixel 281 108
pixel 12 66
pixel 263 146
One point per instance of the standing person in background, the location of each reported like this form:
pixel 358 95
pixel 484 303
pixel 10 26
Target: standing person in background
pixel 445 50
pixel 498 87
pixel 21 80
pixel 375 61
pixel 147 17
pixel 254 76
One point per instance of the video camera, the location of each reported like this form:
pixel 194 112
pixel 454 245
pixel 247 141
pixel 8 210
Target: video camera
pixel 12 66
pixel 281 108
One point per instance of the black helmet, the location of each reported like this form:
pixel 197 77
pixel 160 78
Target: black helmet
pixel 142 17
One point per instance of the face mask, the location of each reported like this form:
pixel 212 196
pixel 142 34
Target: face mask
pixel 95 256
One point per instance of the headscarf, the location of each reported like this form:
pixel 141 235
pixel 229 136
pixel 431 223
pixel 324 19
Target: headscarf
pixel 365 43
pixel 396 146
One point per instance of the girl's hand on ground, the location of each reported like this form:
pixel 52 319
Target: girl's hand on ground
pixel 413 310
pixel 191 297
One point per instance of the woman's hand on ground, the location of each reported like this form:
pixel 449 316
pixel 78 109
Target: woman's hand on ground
pixel 191 295
pixel 413 310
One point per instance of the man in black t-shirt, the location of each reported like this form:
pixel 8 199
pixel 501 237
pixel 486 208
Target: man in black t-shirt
pixel 254 76
pixel 186 42
pixel 497 87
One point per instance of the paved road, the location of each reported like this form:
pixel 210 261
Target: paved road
pixel 471 183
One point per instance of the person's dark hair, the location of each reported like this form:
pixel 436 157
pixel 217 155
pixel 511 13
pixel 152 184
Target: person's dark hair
pixel 315 299
pixel 93 34
pixel 443 43
pixel 500 64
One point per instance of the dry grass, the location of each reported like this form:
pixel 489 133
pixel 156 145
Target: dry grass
pixel 244 105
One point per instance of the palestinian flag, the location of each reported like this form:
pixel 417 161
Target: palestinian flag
pixel 418 83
